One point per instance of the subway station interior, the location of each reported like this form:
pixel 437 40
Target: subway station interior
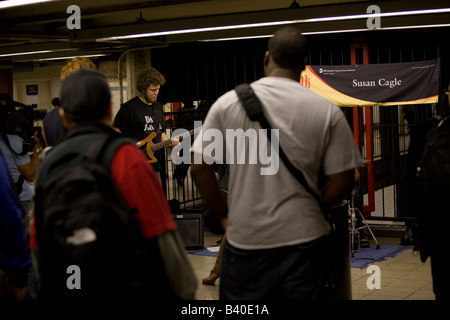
pixel 205 48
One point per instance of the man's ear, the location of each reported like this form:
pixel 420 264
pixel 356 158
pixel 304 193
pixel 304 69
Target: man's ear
pixel 305 62
pixel 65 120
pixel 266 58
pixel 266 63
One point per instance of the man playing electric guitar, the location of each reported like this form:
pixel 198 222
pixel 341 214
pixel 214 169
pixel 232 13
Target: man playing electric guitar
pixel 142 117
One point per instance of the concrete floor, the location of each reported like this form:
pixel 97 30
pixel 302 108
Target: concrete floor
pixel 403 277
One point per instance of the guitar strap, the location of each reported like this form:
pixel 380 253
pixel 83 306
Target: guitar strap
pixel 254 111
pixel 156 118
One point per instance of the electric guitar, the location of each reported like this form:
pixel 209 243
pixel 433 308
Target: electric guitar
pixel 149 148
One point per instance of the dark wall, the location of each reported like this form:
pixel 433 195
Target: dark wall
pixel 205 71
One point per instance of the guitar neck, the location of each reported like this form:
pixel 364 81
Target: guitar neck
pixel 161 145
pixel 167 143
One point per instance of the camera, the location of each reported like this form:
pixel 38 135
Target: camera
pixel 18 118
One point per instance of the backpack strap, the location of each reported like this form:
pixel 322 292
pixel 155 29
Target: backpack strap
pixel 103 149
pixel 19 184
pixel 443 121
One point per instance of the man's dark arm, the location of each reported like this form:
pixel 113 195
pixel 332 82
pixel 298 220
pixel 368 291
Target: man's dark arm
pixel 338 187
pixel 205 179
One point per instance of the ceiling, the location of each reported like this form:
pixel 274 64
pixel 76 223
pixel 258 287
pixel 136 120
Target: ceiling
pixel 43 28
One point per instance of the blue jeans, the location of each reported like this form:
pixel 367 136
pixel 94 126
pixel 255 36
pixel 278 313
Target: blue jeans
pixel 296 272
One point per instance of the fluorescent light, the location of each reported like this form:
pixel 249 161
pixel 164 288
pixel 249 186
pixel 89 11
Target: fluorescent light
pixel 414 12
pixel 24 53
pixel 275 23
pixel 71 57
pixel 334 31
pixel 238 38
pixel 171 32
pixel 376 15
pixel 16 3
pixel 416 27
pixel 382 28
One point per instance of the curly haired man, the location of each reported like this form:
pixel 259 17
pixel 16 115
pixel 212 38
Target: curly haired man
pixel 142 117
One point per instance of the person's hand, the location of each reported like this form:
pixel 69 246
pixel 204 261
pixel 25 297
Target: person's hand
pixel 224 223
pixel 19 293
pixel 37 140
pixel 173 143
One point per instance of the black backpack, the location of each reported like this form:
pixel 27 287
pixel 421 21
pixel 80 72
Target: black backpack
pixel 89 242
pixel 434 179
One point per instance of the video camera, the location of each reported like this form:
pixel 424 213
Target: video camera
pixel 18 118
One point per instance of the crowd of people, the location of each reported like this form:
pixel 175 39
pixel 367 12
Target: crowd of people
pixel 277 236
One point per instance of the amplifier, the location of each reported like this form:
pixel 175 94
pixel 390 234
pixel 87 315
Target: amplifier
pixel 190 228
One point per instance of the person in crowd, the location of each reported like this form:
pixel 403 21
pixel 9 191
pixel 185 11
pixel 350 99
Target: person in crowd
pixel 427 194
pixel 22 167
pixel 86 110
pixel 51 124
pixel 276 234
pixel 215 272
pixel 53 132
pixel 216 223
pixel 76 64
pixel 142 119
pixel 15 259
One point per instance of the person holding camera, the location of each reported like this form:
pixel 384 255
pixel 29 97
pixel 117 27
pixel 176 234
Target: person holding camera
pixel 22 166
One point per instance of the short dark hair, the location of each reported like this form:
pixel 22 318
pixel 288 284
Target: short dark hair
pixel 85 96
pixel 288 48
pixel 148 77
pixel 56 102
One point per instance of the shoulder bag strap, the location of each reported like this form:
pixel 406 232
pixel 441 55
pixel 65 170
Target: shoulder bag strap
pixel 254 110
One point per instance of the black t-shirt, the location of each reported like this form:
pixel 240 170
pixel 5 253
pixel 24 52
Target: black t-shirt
pixel 137 120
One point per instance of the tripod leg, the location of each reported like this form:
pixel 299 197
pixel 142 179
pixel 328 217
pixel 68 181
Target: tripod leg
pixel 353 231
pixel 368 228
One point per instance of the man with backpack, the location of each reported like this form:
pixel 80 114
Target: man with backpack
pixel 101 218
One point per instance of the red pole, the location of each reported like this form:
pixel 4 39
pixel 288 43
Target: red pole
pixel 370 207
pixel 368 143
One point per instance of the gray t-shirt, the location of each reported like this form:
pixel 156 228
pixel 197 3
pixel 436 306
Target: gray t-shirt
pixel 268 208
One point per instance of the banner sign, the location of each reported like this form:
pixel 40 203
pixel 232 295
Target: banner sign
pixel 375 84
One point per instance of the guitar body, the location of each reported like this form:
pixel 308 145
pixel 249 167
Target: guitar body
pixel 146 146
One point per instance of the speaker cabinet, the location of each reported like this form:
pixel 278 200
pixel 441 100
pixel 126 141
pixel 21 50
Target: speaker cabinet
pixel 190 228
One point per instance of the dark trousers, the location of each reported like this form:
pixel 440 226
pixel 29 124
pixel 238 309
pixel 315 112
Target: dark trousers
pixel 439 271
pixel 288 273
